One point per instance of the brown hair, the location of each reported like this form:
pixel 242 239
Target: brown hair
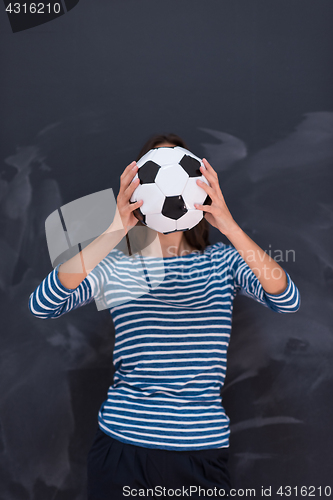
pixel 198 236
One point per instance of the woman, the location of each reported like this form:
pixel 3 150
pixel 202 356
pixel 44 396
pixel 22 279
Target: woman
pixel 163 425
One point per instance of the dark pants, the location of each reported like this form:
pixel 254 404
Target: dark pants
pixel 118 470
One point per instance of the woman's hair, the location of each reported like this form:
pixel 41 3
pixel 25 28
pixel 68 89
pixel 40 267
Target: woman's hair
pixel 198 236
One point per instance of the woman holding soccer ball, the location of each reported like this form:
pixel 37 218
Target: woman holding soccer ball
pixel 162 431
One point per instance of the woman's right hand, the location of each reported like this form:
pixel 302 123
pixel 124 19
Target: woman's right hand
pixel 124 217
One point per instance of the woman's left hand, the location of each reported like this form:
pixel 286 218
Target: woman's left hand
pixel 217 214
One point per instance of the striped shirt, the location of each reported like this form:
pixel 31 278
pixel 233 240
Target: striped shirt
pixel 171 340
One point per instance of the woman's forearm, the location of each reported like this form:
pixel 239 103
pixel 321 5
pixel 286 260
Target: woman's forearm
pixel 75 270
pixel 271 276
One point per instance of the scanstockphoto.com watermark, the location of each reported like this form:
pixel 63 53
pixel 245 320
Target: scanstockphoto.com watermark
pixel 188 491
pixel 216 492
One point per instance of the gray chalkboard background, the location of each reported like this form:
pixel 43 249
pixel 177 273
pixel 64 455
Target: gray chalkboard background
pixel 248 84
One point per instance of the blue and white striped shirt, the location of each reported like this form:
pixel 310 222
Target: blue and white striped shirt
pixel 171 340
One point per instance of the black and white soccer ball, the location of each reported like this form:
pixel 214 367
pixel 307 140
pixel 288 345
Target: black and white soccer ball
pixel 169 189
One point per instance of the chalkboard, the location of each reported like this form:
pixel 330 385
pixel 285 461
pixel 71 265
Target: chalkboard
pixel 248 85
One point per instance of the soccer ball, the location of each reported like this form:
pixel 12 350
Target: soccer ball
pixel 169 190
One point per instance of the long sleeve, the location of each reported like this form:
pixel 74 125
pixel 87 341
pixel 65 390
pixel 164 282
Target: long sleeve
pixel 246 283
pixel 51 299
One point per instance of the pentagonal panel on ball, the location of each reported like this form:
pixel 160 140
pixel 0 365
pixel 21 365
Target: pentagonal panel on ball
pixel 152 198
pixel 160 223
pixel 193 193
pixel 174 207
pixel 171 180
pixel 147 173
pixel 189 220
pixel 191 166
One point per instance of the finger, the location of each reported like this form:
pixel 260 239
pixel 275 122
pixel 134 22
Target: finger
pixel 213 181
pixel 204 208
pixel 128 174
pixel 125 195
pixel 210 177
pixel 135 205
pixel 209 167
pixel 209 190
pixel 131 188
pixel 128 169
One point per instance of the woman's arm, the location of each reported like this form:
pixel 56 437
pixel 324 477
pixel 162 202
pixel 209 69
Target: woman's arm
pixel 61 292
pixel 245 282
pixel 75 270
pixel 73 284
pixel 271 276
